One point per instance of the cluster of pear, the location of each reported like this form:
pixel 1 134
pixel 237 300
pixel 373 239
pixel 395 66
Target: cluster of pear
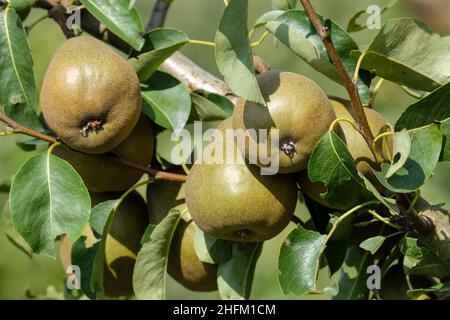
pixel 90 98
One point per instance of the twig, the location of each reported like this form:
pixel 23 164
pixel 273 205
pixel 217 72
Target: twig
pixel 18 128
pixel 350 85
pixel 58 13
pixel 158 16
pixel 157 174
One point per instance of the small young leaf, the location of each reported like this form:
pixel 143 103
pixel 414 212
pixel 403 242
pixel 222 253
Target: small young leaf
pixel 206 110
pixel 118 17
pixel 48 198
pixel 372 244
pixel 13 236
pixel 233 53
pixel 235 276
pixel 426 145
pixel 149 277
pixel 295 30
pixel 421 260
pixel 332 164
pixel 430 109
pixel 18 92
pixel 405 51
pixel 160 44
pixel 299 261
pixel 210 249
pixel 267 17
pixel 167 101
pixel 354 25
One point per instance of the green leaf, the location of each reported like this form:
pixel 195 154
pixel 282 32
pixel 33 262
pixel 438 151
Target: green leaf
pixel 160 44
pixel 235 276
pixel 147 234
pixel 5 185
pixel 437 289
pixel 267 17
pixel 13 236
pixel 332 164
pixel 206 110
pixel 233 53
pixel 407 52
pixel 18 92
pixel 426 144
pixel 99 216
pixel 387 202
pixel 211 250
pixel 294 29
pixel 434 107
pixel 20 4
pixel 402 147
pixel 222 102
pixel 84 258
pixel 149 277
pixel 420 260
pixel 48 199
pixel 372 244
pixel 167 101
pixel 299 261
pixel 166 144
pixel 353 279
pixel 118 17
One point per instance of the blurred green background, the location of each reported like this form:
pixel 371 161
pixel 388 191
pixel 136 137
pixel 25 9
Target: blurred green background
pixel 199 19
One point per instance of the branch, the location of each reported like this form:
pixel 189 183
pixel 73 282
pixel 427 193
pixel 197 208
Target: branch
pixel 350 85
pixel 158 16
pixel 157 174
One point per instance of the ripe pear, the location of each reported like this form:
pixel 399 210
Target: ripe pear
pixel 234 201
pixel 358 148
pixel 101 174
pixel 90 96
pixel 122 243
pixel 184 265
pixel 297 107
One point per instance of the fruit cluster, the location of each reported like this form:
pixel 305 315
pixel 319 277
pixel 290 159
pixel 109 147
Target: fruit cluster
pixel 91 99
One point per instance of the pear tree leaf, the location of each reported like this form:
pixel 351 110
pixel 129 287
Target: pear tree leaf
pixel 160 44
pixel 235 276
pixel 166 101
pixel 294 30
pixel 211 250
pixel 299 261
pixel 426 145
pixel 48 198
pixel 18 94
pixel 407 52
pixel 20 4
pixel 13 236
pixel 84 258
pixel 355 26
pixel 353 278
pixel 372 244
pixel 120 18
pixel 99 216
pixel 147 234
pixel 5 185
pixel 387 202
pixel 332 164
pixel 149 277
pixel 206 110
pixel 402 147
pixel 439 288
pixel 224 103
pixel 433 108
pixel 420 260
pixel 30 144
pixel 233 53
